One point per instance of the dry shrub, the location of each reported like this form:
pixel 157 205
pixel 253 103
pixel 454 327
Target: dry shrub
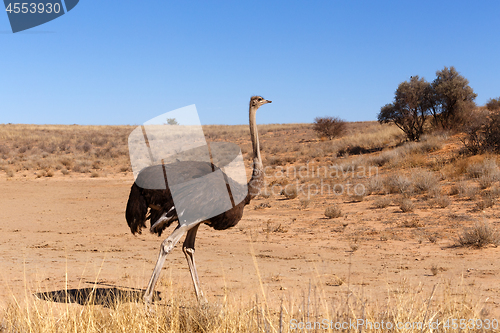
pixel 494 192
pixel 382 202
pixel 464 190
pixel 329 127
pixel 433 238
pixel 262 205
pixel 96 165
pixel 125 168
pixel 480 235
pixel 406 205
pixel 486 202
pixel 333 211
pixel 430 143
pixel 488 167
pixel 483 132
pixel 392 156
pixel 280 161
pixel 424 180
pixel 411 223
pixel 375 185
pixel 357 197
pixel 9 172
pixel 290 192
pixel 304 202
pixel 442 201
pixel 415 160
pixel 398 184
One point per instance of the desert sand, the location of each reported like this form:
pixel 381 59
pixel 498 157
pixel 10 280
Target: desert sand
pixel 71 232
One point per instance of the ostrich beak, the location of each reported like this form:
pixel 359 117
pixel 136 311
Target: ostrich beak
pixel 269 101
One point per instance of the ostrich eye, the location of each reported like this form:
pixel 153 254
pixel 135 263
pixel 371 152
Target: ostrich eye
pixel 260 99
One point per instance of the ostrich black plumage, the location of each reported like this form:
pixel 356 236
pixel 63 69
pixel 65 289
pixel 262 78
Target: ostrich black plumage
pixel 162 212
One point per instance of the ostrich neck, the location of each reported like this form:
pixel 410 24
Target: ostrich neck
pixel 257 180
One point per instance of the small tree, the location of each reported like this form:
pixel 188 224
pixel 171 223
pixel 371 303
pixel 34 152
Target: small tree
pixel 329 127
pixel 172 121
pixel 451 99
pixel 493 104
pixel 483 132
pixel 410 107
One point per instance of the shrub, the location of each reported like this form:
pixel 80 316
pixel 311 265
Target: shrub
pixel 488 167
pixel 398 184
pixel 464 190
pixel 442 201
pixel 382 202
pixel 487 202
pixel 424 180
pixel 290 192
pixel 375 185
pixel 483 132
pixel 333 212
pixel 329 127
pixel 479 236
pixel 304 202
pixel 406 205
pixel 493 104
pixel 486 181
pixel 411 223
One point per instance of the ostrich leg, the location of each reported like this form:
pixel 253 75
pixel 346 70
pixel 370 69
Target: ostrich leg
pixel 166 246
pixel 188 249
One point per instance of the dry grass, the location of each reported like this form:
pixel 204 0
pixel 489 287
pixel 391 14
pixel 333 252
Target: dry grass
pixel 481 235
pixel 398 183
pixel 382 202
pixel 51 150
pixel 333 211
pixel 423 180
pixel 406 205
pixel 442 201
pixel 96 150
pixel 290 192
pixel 406 305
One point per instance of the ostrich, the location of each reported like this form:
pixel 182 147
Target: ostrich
pixel 162 211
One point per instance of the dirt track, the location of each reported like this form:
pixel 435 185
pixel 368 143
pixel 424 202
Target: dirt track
pixel 76 226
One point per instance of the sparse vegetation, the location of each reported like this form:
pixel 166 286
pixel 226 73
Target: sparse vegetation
pixel 449 100
pixel 481 235
pixel 290 192
pixel 442 201
pixel 413 172
pixel 406 205
pixel 423 180
pixel 382 202
pixel 333 211
pixel 329 127
pixel 397 183
pixel 493 104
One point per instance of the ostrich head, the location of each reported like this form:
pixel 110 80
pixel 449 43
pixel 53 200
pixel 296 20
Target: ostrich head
pixel 257 101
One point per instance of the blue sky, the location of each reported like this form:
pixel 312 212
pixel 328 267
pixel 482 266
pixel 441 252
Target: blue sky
pixel 124 62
